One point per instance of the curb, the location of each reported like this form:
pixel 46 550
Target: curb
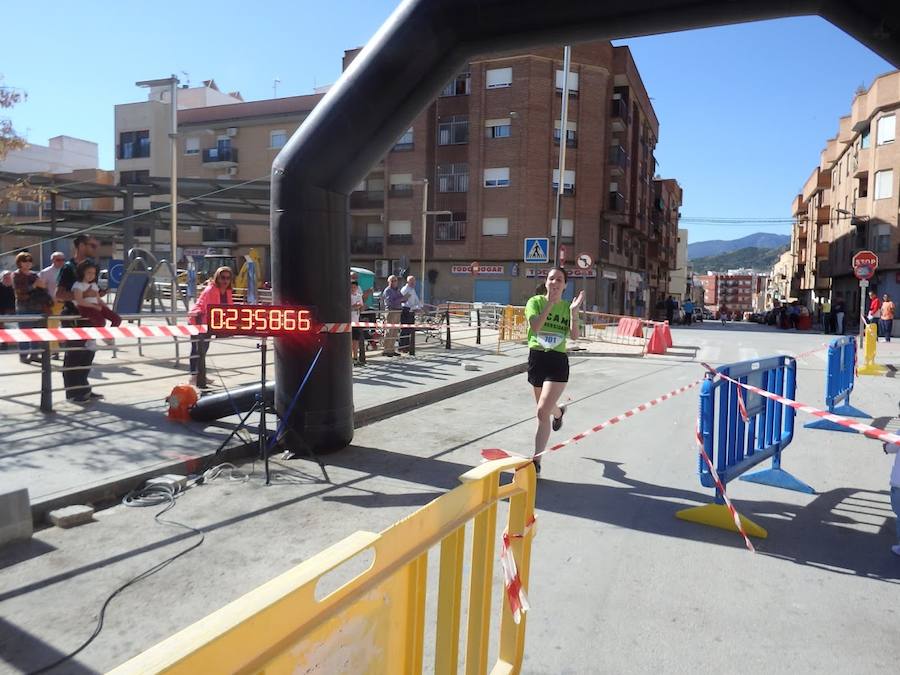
pixel 102 492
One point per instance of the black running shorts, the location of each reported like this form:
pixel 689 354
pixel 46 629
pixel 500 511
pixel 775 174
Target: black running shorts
pixel 551 366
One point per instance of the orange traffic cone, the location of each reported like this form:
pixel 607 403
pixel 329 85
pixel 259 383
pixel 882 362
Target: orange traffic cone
pixel 667 334
pixel 657 344
pixel 181 400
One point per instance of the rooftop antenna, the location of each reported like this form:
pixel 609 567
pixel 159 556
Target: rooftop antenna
pixel 275 87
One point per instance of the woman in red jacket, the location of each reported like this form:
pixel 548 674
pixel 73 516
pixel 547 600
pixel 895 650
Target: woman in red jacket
pixel 217 292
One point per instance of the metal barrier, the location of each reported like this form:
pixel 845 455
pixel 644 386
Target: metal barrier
pixel 839 380
pixel 615 329
pixel 740 429
pixel 375 622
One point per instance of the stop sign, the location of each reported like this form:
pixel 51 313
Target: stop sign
pixel 864 264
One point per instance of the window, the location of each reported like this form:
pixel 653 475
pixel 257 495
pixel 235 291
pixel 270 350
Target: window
pixel 460 86
pixel 453 130
pixel 192 145
pixel 453 177
pixel 884 184
pixel 85 204
pixel 496 177
pixel 566 230
pixel 498 77
pixel 568 181
pixel 495 227
pixel 278 138
pixel 573 81
pixel 864 141
pixel 134 144
pixel 864 186
pixel 571 129
pixel 400 232
pixel 499 128
pixel 883 238
pixel 405 142
pixel 449 227
pixel 887 127
pixel 134 177
pixel 401 185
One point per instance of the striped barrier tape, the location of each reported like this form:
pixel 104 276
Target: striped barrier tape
pixel 345 327
pixel 515 594
pixel 14 335
pixel 499 453
pixel 859 427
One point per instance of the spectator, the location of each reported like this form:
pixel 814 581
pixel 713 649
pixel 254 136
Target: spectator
pixel 356 334
pixel 87 296
pixel 826 316
pixel 688 311
pixel 7 294
pixel 887 317
pixel 50 274
pixel 839 311
pixel 723 313
pixel 218 291
pixel 411 305
pixel 874 309
pixel 31 298
pixel 78 359
pixel 393 304
pixel 670 309
pixel 794 316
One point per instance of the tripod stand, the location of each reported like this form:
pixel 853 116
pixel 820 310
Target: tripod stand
pixel 264 408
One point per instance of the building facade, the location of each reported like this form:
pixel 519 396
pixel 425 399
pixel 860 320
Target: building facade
pixel 680 273
pixel 850 202
pixel 738 290
pixel 488 148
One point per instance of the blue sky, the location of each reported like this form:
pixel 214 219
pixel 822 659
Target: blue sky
pixel 744 110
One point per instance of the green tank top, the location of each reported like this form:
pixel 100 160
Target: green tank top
pixel 552 335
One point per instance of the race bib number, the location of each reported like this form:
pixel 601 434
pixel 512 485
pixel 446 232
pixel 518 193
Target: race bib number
pixel 549 340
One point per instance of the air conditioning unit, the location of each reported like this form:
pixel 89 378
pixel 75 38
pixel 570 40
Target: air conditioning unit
pixel 232 171
pixel 231 131
pixel 382 269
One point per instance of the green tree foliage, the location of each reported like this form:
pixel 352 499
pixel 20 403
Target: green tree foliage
pixel 760 259
pixel 9 139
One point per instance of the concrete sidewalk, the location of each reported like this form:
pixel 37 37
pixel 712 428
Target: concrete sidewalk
pixel 95 453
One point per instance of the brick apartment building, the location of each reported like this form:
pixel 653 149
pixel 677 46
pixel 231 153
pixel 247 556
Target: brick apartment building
pixel 850 202
pixel 488 147
pixel 738 290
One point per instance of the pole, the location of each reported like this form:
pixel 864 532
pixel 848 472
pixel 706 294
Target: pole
pixel 863 285
pixel 424 232
pixel 173 144
pixel 563 123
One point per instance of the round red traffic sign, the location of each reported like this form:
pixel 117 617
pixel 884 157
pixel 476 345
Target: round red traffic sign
pixel 475 268
pixel 864 264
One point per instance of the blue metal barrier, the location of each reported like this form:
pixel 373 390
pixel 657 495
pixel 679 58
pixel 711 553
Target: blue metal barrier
pixel 839 379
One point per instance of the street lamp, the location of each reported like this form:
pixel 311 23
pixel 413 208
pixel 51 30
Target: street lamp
pixel 172 82
pixel 425 214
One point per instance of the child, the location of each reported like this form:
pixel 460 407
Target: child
pixel 87 296
pixel 894 449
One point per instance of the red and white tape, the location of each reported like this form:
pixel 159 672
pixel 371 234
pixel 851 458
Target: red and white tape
pixel 14 335
pixel 515 594
pixel 498 453
pixel 345 327
pixel 865 429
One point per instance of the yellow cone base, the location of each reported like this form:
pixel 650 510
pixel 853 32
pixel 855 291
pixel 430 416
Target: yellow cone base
pixel 717 515
pixel 872 369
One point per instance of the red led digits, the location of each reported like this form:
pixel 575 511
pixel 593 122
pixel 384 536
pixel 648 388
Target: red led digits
pixel 259 320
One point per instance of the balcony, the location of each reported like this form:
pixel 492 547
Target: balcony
pixel 799 206
pixel 400 239
pixel 618 160
pixel 823 214
pixel 802 232
pixel 616 202
pixel 451 230
pixel 366 246
pixel 618 114
pixel 801 257
pixel 822 249
pixel 219 236
pixel 220 158
pixel 367 199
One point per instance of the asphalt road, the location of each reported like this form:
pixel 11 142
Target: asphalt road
pixel 618 584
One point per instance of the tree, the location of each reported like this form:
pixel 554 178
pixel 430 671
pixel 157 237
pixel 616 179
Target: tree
pixel 9 139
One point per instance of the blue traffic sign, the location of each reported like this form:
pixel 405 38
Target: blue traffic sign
pixel 116 272
pixel 537 250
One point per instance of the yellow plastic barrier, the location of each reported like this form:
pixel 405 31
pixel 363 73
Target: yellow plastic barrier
pixel 512 326
pixel 374 623
pixel 869 367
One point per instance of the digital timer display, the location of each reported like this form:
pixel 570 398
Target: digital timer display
pixel 259 320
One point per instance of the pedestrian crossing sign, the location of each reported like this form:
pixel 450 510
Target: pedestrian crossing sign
pixel 537 250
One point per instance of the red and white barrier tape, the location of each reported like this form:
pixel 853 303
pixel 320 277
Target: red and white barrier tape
pixel 720 486
pixel 515 594
pixel 810 352
pixel 498 453
pixel 345 327
pixel 14 335
pixel 865 429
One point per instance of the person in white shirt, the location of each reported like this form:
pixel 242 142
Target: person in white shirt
pixel 411 305
pixel 51 273
pixel 894 449
pixel 356 304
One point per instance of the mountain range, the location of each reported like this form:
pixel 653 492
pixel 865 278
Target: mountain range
pixel 758 240
pixel 759 259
